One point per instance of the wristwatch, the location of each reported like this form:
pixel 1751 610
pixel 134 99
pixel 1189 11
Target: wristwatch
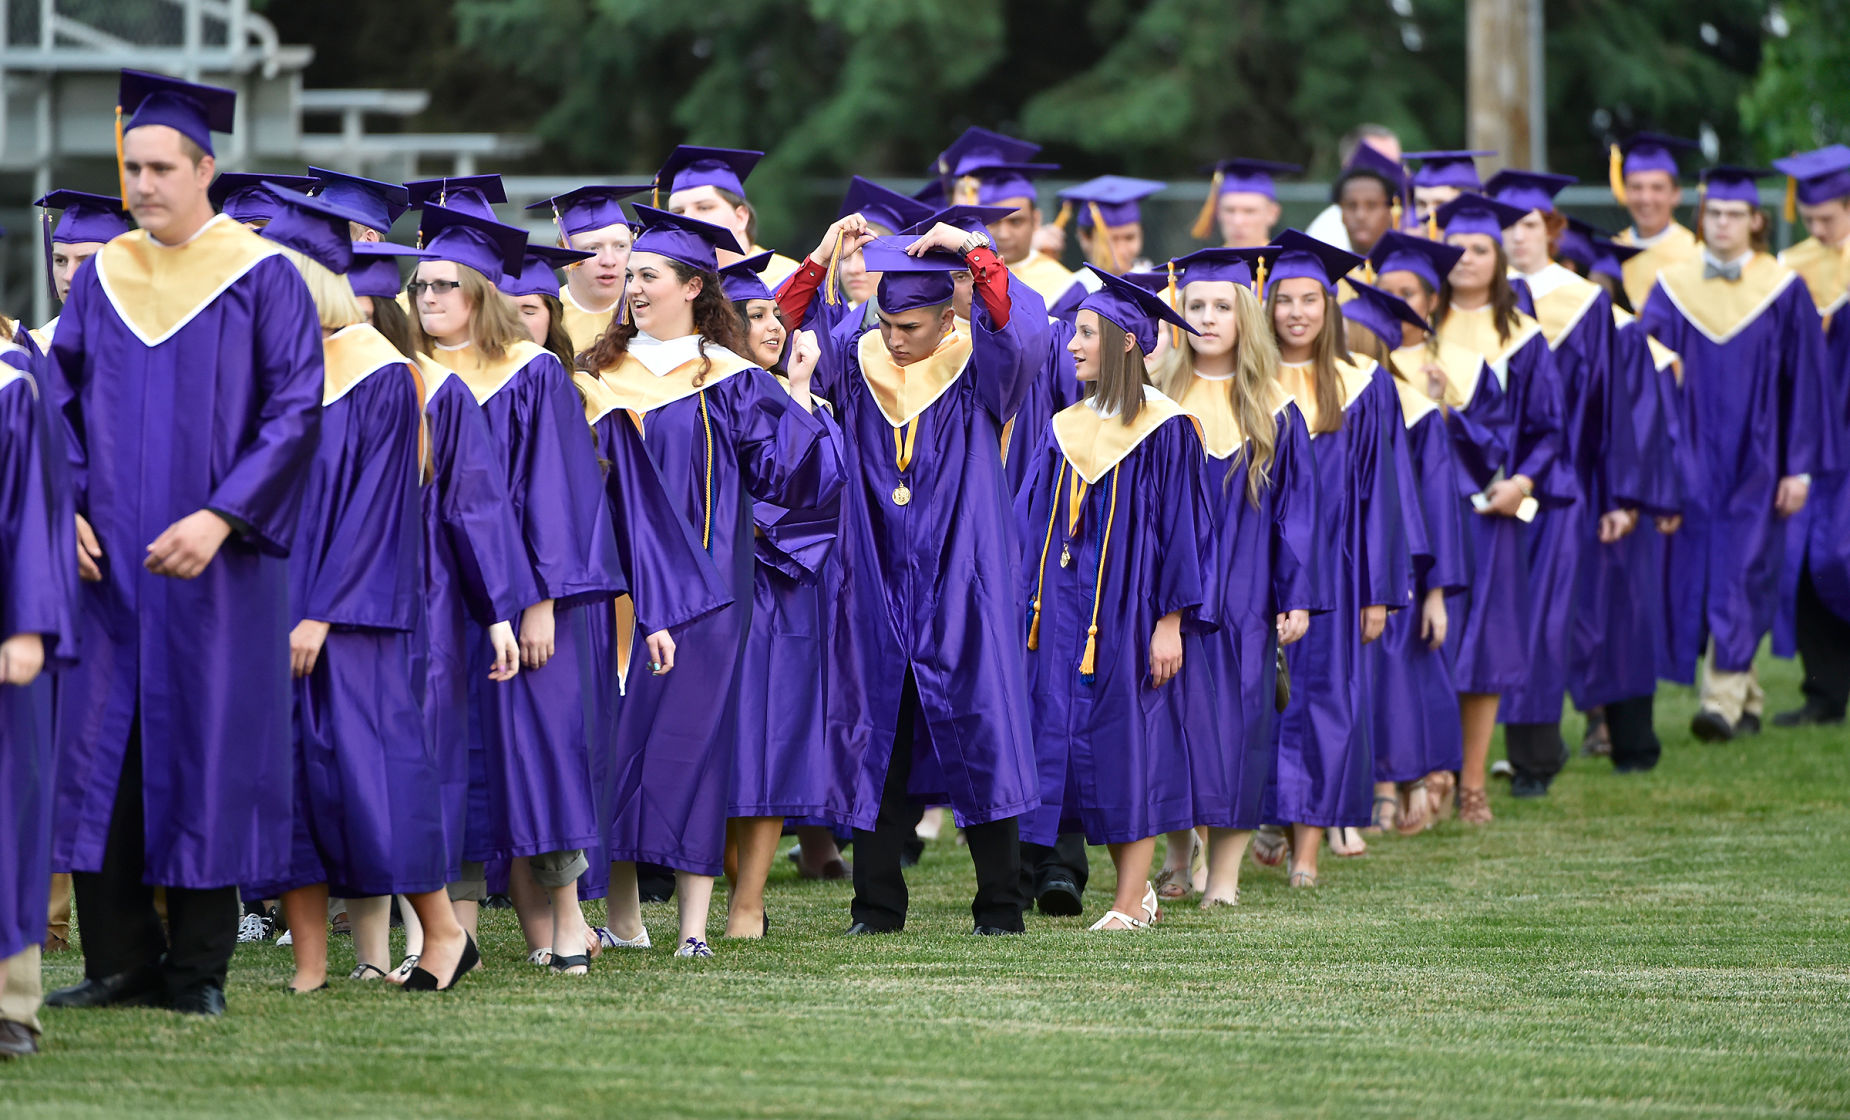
pixel 977 240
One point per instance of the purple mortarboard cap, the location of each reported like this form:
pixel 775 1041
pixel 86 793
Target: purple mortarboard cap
pixel 931 194
pixel 1136 311
pixel 85 217
pixel 1609 257
pixel 1381 313
pixel 252 197
pixel 195 111
pixel 908 282
pixel 882 206
pixel 382 203
pixel 313 227
pixel 740 280
pixel 1368 161
pixel 681 238
pixel 1112 198
pixel 589 208
pixel 1001 166
pixel 1818 176
pixel 1576 243
pixel 1251 176
pixel 1456 169
pixel 468 239
pixel 375 268
pixel 688 167
pixel 1431 261
pixel 1653 151
pixel 1303 256
pixel 1733 184
pixel 970 219
pixel 538 275
pixel 1151 281
pixel 1527 190
pixel 1473 213
pixel 470 194
pixel 1235 266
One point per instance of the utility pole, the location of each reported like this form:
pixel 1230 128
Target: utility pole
pixel 1504 80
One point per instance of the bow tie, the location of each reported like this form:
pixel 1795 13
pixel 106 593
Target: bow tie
pixel 1730 272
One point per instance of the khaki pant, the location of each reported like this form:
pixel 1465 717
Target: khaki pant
pixel 60 924
pixel 1730 695
pixel 25 988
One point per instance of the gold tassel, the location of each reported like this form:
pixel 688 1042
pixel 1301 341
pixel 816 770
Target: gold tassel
pixel 1175 332
pixel 1259 277
pixel 968 191
pixel 1088 662
pixel 655 193
pixel 121 164
pixel 1204 221
pixel 1099 231
pixel 1065 216
pixel 1792 199
pixel 1432 225
pixel 830 293
pixel 1040 588
pixel 1395 213
pixel 1615 173
pixel 706 424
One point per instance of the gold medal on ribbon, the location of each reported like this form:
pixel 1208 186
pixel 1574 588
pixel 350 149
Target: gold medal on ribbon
pixel 902 458
pixel 902 495
pixel 1066 556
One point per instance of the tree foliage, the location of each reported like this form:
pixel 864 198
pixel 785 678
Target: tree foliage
pixel 1801 98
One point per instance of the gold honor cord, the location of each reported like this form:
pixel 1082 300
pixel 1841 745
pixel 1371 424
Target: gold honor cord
pixel 902 457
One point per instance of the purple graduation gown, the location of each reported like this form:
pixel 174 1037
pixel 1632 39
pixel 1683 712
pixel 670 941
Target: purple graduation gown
pixel 1116 756
pixel 1756 406
pixel 1818 536
pixel 1325 770
pixel 38 595
pixel 1266 564
pixel 781 765
pixel 1416 726
pixel 928 589
pixel 536 790
pixel 368 815
pixel 676 733
pixel 222 412
pixel 476 574
pixel 1053 387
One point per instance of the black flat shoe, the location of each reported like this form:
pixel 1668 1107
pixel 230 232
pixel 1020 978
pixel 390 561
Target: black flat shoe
pixel 295 991
pixel 139 987
pixel 996 931
pixel 1808 716
pixel 1060 898
pixel 862 929
pixel 200 999
pixel 566 964
pixel 423 980
pixel 17 1040
pixel 1711 727
pixel 1749 725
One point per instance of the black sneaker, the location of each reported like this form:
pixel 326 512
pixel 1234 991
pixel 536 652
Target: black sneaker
pixel 1749 725
pixel 862 929
pixel 1521 785
pixel 996 931
pixel 1808 716
pixel 1059 899
pixel 1711 727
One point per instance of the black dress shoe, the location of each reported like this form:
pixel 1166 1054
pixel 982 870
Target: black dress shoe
pixel 138 987
pixel 1808 716
pixel 862 929
pixel 1059 898
pixel 996 931
pixel 200 999
pixel 1749 725
pixel 17 1040
pixel 1711 727
pixel 1526 787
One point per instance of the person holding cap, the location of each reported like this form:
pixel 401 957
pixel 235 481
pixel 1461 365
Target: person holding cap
pixel 591 220
pixel 187 500
pixel 1116 557
pixel 724 434
pixel 984 168
pixel 1763 416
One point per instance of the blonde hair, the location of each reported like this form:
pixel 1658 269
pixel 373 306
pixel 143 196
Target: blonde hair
pixel 1326 350
pixel 1255 368
pixel 335 302
pixel 494 325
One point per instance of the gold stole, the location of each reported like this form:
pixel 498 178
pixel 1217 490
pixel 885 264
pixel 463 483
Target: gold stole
pixel 1414 403
pixel 1826 272
pixel 582 326
pixel 484 376
pixel 1476 332
pixel 903 392
pixel 1048 277
pixel 1662 357
pixel 1561 310
pixel 353 353
pixel 1720 308
pixel 157 289
pixel 1677 245
pixel 1300 383
pixel 1462 369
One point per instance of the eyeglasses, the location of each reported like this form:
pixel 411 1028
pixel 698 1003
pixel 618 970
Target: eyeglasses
pixel 434 287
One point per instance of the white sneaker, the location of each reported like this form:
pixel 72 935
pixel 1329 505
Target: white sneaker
pixel 610 940
pixel 252 928
pixel 694 947
pixel 288 938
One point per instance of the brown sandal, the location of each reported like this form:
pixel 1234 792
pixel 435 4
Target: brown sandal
pixel 1439 789
pixel 1474 806
pixel 1414 816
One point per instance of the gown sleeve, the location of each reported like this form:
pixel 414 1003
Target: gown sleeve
pixel 1809 413
pixel 1538 451
pixel 474 511
pixel 1297 583
pixel 788 457
pixel 1442 512
pixel 1184 529
pixel 797 542
pixel 38 538
pixel 671 578
pixel 1006 358
pixel 1384 566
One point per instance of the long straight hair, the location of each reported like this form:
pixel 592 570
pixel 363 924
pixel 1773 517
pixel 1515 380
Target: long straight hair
pixel 390 320
pixel 1503 308
pixel 1255 368
pixel 1119 388
pixel 1327 349
pixel 558 343
pixel 494 328
pixel 715 322
pixel 335 303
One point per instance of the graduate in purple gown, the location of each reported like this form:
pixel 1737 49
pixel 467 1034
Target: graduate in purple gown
pixel 1476 313
pixel 1413 269
pixel 174 763
pixel 86 222
pixel 368 819
pixel 724 435
pixel 1120 694
pixel 38 631
pixel 780 765
pixel 1262 484
pixel 533 799
pixel 1325 772
pixel 1759 412
pixel 925 674
pixel 1415 712
pixel 1599 441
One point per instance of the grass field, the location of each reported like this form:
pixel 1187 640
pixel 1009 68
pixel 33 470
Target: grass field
pixel 1676 943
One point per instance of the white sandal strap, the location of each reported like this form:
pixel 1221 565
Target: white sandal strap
pixel 1130 923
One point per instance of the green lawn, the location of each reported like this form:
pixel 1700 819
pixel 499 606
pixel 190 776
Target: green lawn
pixel 1673 943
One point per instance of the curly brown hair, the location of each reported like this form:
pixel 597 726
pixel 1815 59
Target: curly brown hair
pixel 715 321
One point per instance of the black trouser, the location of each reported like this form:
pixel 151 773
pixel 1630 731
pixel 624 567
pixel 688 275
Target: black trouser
pixel 1536 750
pixel 1041 864
pixel 1634 738
pixel 120 929
pixel 880 885
pixel 1824 646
